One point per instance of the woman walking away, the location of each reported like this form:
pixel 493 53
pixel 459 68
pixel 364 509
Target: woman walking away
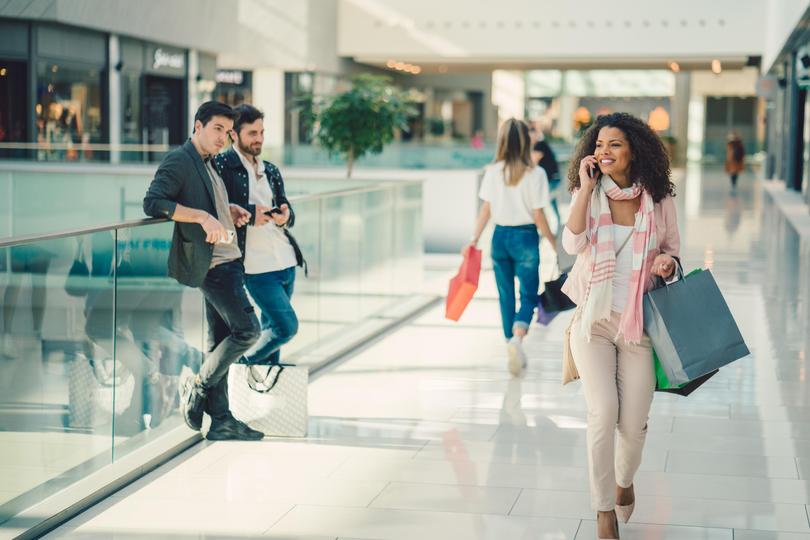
pixel 623 229
pixel 735 158
pixel 514 192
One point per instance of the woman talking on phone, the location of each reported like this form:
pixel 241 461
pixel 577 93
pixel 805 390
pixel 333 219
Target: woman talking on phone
pixel 623 228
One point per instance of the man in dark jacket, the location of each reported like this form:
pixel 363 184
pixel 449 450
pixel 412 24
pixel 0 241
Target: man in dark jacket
pixel 188 190
pixel 269 251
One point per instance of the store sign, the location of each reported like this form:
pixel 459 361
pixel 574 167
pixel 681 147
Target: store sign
pixel 230 77
pixel 163 58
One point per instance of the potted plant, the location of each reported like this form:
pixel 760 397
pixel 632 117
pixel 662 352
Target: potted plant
pixel 363 119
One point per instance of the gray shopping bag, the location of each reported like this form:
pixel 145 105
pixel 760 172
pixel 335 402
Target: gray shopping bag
pixel 691 328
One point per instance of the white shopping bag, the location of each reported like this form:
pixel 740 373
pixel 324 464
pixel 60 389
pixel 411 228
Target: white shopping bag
pixel 272 399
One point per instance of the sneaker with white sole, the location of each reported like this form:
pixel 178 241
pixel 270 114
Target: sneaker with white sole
pixel 517 357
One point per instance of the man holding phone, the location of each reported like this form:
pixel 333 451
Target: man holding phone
pixel 269 251
pixel 187 190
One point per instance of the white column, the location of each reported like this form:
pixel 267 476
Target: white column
pixel 114 93
pixel 193 95
pixel 268 96
pixel 680 115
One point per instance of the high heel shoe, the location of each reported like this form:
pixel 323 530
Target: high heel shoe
pixel 615 528
pixel 624 512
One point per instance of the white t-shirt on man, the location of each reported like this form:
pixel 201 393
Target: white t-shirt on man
pixel 512 205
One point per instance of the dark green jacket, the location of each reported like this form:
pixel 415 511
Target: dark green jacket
pixel 182 178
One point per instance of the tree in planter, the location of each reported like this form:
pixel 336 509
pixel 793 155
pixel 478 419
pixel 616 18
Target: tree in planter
pixel 362 119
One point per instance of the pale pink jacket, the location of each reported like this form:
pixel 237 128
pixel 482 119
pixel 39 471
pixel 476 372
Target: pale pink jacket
pixel 669 242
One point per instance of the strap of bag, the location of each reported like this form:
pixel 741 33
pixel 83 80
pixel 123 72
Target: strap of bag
pixel 629 236
pixel 254 382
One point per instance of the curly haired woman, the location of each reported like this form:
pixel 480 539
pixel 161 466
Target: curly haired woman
pixel 623 228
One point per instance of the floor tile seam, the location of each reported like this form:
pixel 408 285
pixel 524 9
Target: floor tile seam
pixel 682 524
pixel 377 496
pixel 420 510
pixel 685 497
pixel 276 522
pixel 514 503
pixel 807 513
pixel 579 526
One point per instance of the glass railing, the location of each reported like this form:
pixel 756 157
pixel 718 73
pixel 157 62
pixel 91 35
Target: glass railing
pixel 405 156
pixel 97 339
pixel 398 155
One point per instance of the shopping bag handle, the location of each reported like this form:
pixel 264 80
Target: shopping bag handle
pixel 255 382
pixel 661 282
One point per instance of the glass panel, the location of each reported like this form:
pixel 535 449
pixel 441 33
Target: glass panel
pixel 340 266
pixel 377 250
pixel 408 240
pixel 159 337
pixel 305 294
pixel 56 393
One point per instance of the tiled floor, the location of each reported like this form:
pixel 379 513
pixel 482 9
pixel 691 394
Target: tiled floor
pixel 424 435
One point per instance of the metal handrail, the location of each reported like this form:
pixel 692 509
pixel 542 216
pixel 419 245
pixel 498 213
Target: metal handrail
pixel 11 241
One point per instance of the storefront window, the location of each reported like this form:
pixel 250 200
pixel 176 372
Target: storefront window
pixel 13 76
pixel 233 87
pixel 68 112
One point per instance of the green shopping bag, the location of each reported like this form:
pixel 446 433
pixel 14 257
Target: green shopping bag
pixel 662 383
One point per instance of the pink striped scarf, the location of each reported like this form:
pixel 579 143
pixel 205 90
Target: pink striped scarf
pixel 599 295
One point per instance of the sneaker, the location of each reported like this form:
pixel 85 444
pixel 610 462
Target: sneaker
pixel 517 357
pixel 231 429
pixel 193 403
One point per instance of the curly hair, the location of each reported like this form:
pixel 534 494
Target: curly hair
pixel 650 164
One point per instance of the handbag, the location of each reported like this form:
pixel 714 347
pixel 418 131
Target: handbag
pixel 662 383
pixel 463 286
pixel 274 403
pixel 691 327
pixel 94 394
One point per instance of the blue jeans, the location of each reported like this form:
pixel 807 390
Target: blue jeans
pixel 272 292
pixel 516 252
pixel 553 184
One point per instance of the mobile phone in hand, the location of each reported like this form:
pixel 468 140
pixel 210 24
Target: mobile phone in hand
pixel 274 210
pixel 595 172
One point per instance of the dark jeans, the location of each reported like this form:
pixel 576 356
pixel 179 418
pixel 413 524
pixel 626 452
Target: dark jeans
pixel 272 292
pixel 516 252
pixel 232 330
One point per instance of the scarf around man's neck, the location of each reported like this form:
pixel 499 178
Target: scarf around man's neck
pixel 599 296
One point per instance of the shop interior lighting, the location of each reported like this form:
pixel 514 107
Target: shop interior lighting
pixel 717 67
pixel 404 66
pixel 675 67
pixel 3 72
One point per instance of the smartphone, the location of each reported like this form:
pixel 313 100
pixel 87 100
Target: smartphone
pixel 595 172
pixel 231 236
pixel 274 210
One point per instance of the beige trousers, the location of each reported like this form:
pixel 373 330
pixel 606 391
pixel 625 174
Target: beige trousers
pixel 618 379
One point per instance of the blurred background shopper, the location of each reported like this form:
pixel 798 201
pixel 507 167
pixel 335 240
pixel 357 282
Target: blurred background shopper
pixel 514 193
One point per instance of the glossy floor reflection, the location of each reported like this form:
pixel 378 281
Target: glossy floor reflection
pixel 424 434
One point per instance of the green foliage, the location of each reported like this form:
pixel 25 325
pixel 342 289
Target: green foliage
pixel 362 119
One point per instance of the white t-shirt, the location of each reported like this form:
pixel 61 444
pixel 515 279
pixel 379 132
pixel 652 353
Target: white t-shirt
pixel 267 248
pixel 512 205
pixel 624 266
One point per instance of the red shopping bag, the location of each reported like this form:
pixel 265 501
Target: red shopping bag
pixel 464 285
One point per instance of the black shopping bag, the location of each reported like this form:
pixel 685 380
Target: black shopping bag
pixel 553 299
pixel 691 328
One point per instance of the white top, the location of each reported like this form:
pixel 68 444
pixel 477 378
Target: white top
pixel 624 267
pixel 267 248
pixel 512 205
